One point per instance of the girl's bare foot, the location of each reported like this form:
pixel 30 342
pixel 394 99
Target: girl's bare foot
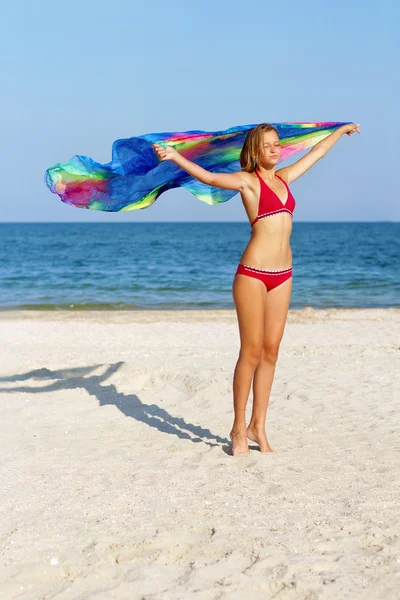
pixel 259 436
pixel 239 442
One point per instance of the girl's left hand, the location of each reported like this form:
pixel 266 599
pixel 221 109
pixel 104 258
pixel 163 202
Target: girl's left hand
pixel 167 153
pixel 351 128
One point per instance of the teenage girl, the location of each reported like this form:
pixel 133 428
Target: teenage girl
pixel 263 281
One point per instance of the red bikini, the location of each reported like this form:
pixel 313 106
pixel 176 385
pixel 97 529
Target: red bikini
pixel 269 205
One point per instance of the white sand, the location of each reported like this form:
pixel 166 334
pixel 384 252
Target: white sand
pixel 116 475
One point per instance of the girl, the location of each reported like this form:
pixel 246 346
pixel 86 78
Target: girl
pixel 262 284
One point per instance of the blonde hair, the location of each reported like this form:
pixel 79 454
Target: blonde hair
pixel 250 154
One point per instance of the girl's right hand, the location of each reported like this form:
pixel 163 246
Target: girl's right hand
pixel 350 128
pixel 167 153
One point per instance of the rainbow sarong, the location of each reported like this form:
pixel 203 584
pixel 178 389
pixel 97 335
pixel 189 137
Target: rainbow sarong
pixel 135 178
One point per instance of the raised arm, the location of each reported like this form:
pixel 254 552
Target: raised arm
pixel 297 169
pixel 229 181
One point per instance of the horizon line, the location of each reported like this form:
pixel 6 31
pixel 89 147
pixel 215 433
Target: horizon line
pixel 168 222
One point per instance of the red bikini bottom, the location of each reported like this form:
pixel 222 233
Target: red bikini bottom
pixel 271 279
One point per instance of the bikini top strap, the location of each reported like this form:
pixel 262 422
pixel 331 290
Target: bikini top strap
pixel 278 176
pixel 262 180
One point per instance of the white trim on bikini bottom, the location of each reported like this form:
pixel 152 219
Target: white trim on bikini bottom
pixel 264 271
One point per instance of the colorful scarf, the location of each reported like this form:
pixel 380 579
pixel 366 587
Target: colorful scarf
pixel 135 177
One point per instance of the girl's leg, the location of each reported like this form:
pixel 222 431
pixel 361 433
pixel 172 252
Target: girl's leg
pixel 277 306
pixel 249 295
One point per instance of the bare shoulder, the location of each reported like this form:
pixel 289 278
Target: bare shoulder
pixel 301 166
pixel 248 179
pixel 283 174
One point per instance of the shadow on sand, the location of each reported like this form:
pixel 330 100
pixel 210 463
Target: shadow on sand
pixel 129 404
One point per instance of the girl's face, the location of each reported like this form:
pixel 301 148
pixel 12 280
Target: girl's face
pixel 270 148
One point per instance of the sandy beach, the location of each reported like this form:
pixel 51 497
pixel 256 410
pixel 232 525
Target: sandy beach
pixel 117 477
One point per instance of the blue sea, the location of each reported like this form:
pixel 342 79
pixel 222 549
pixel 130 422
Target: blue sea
pixel 189 265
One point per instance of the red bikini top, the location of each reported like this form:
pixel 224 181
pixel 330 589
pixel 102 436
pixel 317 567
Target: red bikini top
pixel 270 204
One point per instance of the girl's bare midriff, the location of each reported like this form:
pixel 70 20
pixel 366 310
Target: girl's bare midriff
pixel 269 246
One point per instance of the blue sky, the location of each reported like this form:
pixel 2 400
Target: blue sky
pixel 80 74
